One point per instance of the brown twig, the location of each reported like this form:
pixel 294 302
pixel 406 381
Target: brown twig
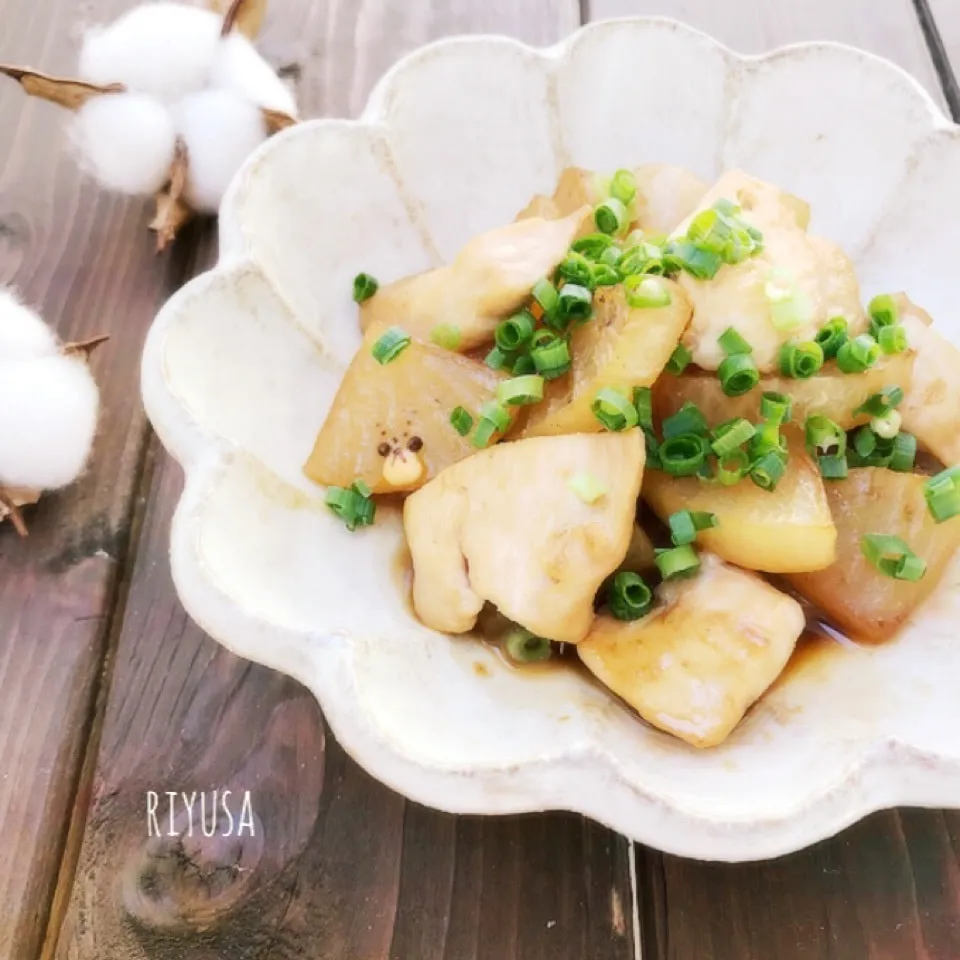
pixel 85 347
pixel 71 94
pixel 13 509
pixel 172 211
pixel 277 120
pixel 244 15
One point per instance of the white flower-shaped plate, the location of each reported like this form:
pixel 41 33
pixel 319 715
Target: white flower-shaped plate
pixel 241 365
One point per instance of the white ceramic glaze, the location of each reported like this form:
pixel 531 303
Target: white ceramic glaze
pixel 241 365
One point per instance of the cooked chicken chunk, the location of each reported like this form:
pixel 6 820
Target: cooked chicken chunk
pixel 931 407
pixel 506 526
pixel 816 271
pixel 709 649
pixel 491 278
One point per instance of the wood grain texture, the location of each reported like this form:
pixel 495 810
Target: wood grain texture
pixel 85 260
pixel 346 870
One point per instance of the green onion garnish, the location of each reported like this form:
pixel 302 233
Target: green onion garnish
pixel 484 433
pixel 864 442
pixel 858 354
pixel 904 453
pixel 642 291
pixel 942 493
pixel 623 186
pixel 364 287
pixel 768 471
pixel 575 304
pixel 593 245
pixel 551 357
pixel 688 419
pixel 628 596
pixel 497 414
pixel 697 261
pixel 576 268
pixel 731 343
pixel 881 403
pixel 521 390
pixel 892 339
pixel 729 436
pixel 767 438
pixel 892 557
pixel 732 468
pixel 390 345
pixel 610 216
pixel 832 336
pixel 800 360
pixel 653 449
pixel 686 524
pixel 832 467
pixel 614 410
pixel 776 406
pixel 352 505
pixel 682 456
pixel 513 333
pixel 523 647
pixel 883 313
pixel 496 359
pixel 677 562
pixel 643 401
pixel 887 426
pixel 611 257
pixel 446 335
pixel 587 487
pixel 461 420
pixel 605 276
pixel 824 436
pixel 523 365
pixel 738 374
pixel 642 258
pixel 679 360
pixel 545 293
pixel 789 307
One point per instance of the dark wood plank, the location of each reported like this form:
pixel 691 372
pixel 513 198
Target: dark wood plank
pixel 887 888
pixel 86 260
pixel 348 870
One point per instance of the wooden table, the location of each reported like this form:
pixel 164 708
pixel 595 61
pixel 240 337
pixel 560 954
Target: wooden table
pixel 107 690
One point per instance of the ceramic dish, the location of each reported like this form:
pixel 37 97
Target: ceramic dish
pixel 242 364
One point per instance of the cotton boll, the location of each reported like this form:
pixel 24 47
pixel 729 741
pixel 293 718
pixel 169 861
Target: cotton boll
pixel 48 418
pixel 22 333
pixel 166 49
pixel 220 130
pixel 127 141
pixel 238 67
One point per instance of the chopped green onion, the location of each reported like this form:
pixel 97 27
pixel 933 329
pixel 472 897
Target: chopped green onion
pixel 767 438
pixel 892 557
pixel 576 303
pixel 390 345
pixel 643 258
pixel 521 390
pixel 881 403
pixel 682 456
pixel 545 293
pixel 587 487
pixel 496 359
pixel 551 358
pixel 832 466
pixel 732 468
pixel 643 401
pixel 727 207
pixel 858 354
pixel 653 449
pixel 879 456
pixel 731 343
pixel 697 261
pixel 614 410
pixel 352 505
pixel 611 257
pixel 864 442
pixel 642 291
pixel 942 493
pixel 789 306
pixel 593 245
pixel 523 647
pixel 887 426
pixel 800 360
pixel 729 436
pixel 629 597
pixel 776 406
pixel 361 488
pixel 605 276
pixel 686 524
pixel 688 419
pixel 904 453
pixel 461 420
pixel 832 336
pixel 610 216
pixel 679 360
pixel 484 433
pixel 576 268
pixel 738 374
pixel 497 414
pixel 513 333
pixel 883 313
pixel 364 287
pixel 892 339
pixel 768 471
pixel 523 365
pixel 446 335
pixel 623 186
pixel 677 562
pixel 824 436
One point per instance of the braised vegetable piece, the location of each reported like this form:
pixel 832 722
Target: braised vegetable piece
pixel 622 347
pixel 702 656
pixel 787 291
pixel 490 279
pixel 785 529
pixel 394 425
pixel 504 526
pixel 854 593
pixel 831 393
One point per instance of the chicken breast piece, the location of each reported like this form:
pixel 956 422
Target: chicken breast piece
pixel 491 278
pixel 505 526
pixel 708 651
pixel 818 271
pixel 931 406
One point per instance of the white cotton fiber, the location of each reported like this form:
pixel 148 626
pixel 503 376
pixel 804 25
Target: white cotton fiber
pixel 22 333
pixel 238 67
pixel 48 418
pixel 127 141
pixel 165 49
pixel 220 130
